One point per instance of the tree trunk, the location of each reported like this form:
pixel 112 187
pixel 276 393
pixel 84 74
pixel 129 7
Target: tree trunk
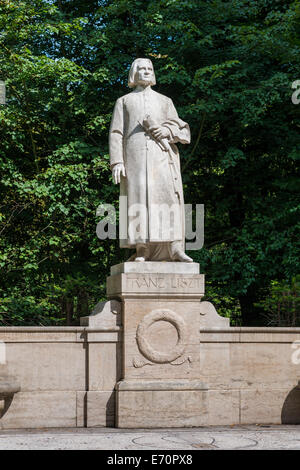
pixel 69 311
pixel 250 314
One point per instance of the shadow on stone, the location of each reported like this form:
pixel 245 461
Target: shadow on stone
pixel 5 404
pixel 290 413
pixel 8 387
pixel 110 411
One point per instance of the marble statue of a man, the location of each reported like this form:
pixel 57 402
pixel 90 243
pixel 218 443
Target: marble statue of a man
pixel 145 161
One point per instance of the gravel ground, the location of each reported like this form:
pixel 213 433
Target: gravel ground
pixel 213 438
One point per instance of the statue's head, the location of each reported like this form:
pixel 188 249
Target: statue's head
pixel 141 73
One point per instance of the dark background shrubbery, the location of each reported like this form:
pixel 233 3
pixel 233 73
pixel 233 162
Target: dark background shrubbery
pixel 229 67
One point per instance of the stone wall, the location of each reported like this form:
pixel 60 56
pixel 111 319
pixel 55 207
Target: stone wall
pixel 252 374
pixel 67 375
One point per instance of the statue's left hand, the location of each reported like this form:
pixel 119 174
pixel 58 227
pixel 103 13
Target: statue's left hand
pixel 160 132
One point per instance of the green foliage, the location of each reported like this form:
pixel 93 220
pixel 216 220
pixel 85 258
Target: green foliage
pixel 228 66
pixel 282 304
pixel 225 305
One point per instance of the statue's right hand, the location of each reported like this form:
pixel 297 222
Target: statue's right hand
pixel 117 171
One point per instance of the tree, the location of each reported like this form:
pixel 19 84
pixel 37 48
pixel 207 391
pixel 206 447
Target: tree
pixel 228 65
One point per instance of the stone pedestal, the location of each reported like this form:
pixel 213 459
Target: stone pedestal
pixel 161 316
pixel 161 403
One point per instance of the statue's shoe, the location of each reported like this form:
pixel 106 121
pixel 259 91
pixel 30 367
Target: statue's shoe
pixel 180 255
pixel 142 253
pixel 140 259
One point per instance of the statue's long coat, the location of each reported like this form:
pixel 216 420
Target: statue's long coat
pixel 152 173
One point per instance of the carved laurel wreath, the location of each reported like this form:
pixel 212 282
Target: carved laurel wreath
pixel 148 351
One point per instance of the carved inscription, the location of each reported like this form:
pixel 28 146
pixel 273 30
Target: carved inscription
pixel 172 282
pixel 158 282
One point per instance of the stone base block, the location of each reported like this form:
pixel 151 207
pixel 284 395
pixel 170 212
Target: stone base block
pixel 40 410
pixel 224 407
pixel 96 409
pixel 155 267
pixel 270 406
pixel 100 409
pixel 161 404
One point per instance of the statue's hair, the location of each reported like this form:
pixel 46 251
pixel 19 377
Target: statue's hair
pixel 132 73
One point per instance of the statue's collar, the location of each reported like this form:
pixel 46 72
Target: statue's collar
pixel 140 89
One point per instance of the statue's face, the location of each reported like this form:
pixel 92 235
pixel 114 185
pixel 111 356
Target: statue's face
pixel 145 73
